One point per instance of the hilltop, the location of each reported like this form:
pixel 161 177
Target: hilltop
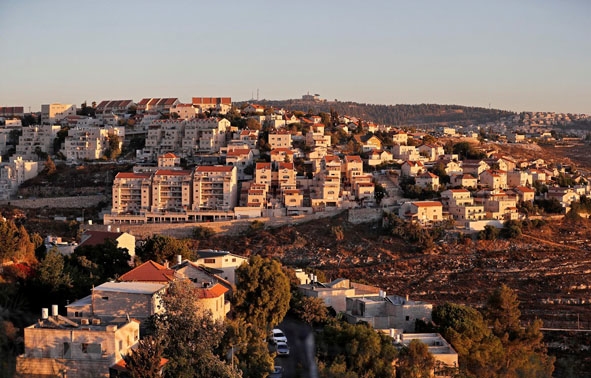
pixel 400 114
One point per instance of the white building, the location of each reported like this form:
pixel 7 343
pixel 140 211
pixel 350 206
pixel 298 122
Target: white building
pixel 52 113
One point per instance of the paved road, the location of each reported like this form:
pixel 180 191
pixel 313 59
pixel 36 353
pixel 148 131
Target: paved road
pixel 302 348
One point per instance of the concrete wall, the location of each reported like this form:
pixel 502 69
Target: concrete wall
pixel 357 216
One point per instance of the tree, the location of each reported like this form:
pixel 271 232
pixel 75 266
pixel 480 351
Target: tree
pixel 363 350
pixel 50 167
pixel 189 336
pixel 262 292
pixel 312 310
pixel 202 233
pixel 145 360
pixel 379 193
pixel 415 361
pixel 160 248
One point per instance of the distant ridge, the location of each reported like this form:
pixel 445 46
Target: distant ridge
pixel 392 114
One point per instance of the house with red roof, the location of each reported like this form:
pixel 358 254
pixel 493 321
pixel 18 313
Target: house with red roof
pixel 427 180
pixel 123 239
pixel 422 211
pixel 412 168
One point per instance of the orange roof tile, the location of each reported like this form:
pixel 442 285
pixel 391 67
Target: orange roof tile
pixel 427 204
pixel 214 168
pixel 215 291
pixel 149 271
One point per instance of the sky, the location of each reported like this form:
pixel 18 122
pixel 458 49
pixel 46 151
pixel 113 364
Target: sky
pixel 525 55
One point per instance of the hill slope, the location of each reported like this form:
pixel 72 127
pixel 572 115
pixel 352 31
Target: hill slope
pixel 393 114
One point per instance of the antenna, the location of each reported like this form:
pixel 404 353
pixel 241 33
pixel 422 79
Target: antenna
pixel 257 94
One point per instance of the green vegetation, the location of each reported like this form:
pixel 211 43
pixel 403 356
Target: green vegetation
pixel 356 349
pixel 494 344
pixel 189 336
pixel 160 248
pixel 415 361
pixel 395 114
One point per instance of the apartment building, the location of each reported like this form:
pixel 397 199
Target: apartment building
pixel 52 113
pixel 215 188
pixel 14 173
pixel 33 138
pixel 131 193
pixel 90 143
pixel 216 105
pixel 171 190
pixel 280 139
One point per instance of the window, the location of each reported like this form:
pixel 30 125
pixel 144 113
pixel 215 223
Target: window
pixel 105 298
pixel 120 344
pixel 234 259
pixel 209 261
pixel 407 318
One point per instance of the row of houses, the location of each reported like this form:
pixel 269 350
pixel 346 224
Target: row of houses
pixel 97 331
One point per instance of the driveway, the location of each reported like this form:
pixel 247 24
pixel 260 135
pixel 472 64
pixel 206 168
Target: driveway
pixel 302 348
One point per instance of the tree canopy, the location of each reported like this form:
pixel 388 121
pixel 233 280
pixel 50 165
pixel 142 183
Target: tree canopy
pixel 189 335
pixel 262 292
pixel 160 248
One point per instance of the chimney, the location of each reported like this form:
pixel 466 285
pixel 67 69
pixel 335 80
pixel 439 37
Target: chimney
pixel 109 228
pixel 407 297
pixel 179 259
pixel 44 313
pixel 54 310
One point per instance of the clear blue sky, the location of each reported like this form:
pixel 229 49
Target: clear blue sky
pixel 532 55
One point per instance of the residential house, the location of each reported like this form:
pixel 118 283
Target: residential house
pixel 494 179
pixel 412 168
pixel 377 157
pixel 427 180
pixel 465 180
pixel 223 261
pixel 404 152
pixel 79 348
pixel 335 293
pixel 387 312
pixel 282 155
pixel 524 194
pixel 368 142
pixel 474 167
pixel 431 151
pixel 444 354
pixel 500 205
pixel 400 137
pixel 519 178
pixel 565 196
pixel 122 239
pixel 422 211
pixel 353 167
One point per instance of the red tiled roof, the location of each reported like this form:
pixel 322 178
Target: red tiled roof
pixel 214 168
pixel 238 152
pixel 99 237
pixel 427 204
pixel 263 165
pixel 283 165
pixel 353 158
pixel 525 189
pixel 169 155
pixel 149 271
pixel 144 101
pixel 131 175
pixel 215 291
pixel 172 172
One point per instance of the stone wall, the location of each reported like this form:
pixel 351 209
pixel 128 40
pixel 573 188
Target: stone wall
pixel 357 216
pixel 56 202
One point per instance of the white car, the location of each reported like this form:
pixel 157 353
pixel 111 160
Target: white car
pixel 277 335
pixel 282 349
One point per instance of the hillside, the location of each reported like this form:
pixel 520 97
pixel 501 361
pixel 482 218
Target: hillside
pixel 393 114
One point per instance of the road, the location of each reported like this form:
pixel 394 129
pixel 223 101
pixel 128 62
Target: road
pixel 300 338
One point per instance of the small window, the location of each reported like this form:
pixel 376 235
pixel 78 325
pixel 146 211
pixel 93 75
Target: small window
pixel 407 318
pixel 209 261
pixel 234 259
pixel 105 298
pixel 120 344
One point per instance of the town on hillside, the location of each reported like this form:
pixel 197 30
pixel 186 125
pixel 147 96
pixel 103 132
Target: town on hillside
pixel 116 305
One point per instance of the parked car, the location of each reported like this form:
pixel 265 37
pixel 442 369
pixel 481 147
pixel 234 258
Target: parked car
pixel 277 335
pixel 282 349
pixel 277 372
